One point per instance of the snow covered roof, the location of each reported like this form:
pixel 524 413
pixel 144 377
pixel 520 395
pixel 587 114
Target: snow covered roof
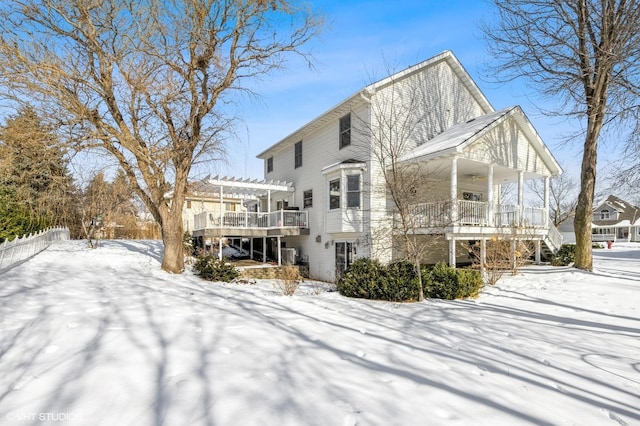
pixel 455 139
pixel 457 136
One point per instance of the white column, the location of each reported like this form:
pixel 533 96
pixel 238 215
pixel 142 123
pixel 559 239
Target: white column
pixel 251 248
pixel 520 196
pixel 269 207
pixel 279 252
pixel 264 249
pixel 452 252
pixel 483 256
pixel 454 191
pixel 490 201
pixel 546 201
pixel 221 206
pixel 220 247
pixel 537 252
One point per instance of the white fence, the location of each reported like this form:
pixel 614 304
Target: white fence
pixel 20 249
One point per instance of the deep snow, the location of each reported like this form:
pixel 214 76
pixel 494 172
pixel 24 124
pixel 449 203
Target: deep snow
pixel 104 337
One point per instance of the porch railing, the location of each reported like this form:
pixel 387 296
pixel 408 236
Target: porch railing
pixel 603 237
pixel 277 219
pixel 475 213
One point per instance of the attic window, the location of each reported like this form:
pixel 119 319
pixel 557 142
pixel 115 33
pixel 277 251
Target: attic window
pixel 604 215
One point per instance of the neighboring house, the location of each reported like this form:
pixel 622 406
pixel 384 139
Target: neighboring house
pixel 324 197
pixel 614 220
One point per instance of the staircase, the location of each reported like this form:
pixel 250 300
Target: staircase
pixel 551 242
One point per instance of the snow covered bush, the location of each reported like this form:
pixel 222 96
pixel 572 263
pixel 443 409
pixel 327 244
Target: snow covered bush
pixel 444 282
pixel 211 268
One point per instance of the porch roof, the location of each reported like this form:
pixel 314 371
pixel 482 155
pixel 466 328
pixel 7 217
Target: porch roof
pixel 458 137
pixel 239 187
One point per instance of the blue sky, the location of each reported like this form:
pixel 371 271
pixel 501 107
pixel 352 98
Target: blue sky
pixel 360 41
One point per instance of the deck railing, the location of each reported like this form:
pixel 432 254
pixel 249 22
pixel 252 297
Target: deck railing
pixel 277 219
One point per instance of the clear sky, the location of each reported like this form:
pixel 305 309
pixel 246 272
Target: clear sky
pixel 362 38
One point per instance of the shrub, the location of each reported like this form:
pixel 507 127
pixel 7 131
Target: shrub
pixel 288 280
pixel 363 279
pixel 565 256
pixel 211 268
pixel 401 282
pixel 445 282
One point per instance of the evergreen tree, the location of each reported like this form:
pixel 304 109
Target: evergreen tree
pixel 34 178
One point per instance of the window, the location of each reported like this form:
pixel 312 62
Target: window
pixel 334 194
pixel 269 164
pixel 282 205
pixel 345 254
pixel 298 155
pixel 353 191
pixel 604 215
pixel 188 204
pixel 307 198
pixel 345 131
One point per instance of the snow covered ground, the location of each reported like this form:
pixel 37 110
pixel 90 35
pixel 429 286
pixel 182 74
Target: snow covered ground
pixel 103 337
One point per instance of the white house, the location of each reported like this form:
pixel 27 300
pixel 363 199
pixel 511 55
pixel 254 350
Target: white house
pixel 325 196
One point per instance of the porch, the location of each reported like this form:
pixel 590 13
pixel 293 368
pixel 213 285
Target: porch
pixel 256 224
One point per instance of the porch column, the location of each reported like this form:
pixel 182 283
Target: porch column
pixel 520 196
pixel 452 253
pixel 220 248
pixel 221 206
pixel 279 252
pixel 537 252
pixel 546 201
pixel 490 203
pixel 269 207
pixel 264 249
pixel 454 193
pixel 251 248
pixel 483 257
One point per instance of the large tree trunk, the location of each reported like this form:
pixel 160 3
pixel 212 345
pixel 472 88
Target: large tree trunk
pixel 584 208
pixel 172 235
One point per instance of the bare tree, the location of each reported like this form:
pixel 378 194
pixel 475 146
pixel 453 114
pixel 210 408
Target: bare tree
pixel 585 53
pixel 147 82
pixel 562 196
pixel 403 115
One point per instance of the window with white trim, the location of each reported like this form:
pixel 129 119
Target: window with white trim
pixel 269 164
pixel 307 198
pixel 353 191
pixel 334 194
pixel 604 215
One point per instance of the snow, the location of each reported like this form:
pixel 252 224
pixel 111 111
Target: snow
pixel 104 337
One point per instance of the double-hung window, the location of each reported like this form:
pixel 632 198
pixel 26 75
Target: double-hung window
pixel 307 198
pixel 269 164
pixel 353 191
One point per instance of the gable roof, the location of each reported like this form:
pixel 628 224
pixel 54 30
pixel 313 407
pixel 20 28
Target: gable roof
pixel 362 95
pixel 456 138
pixel 627 212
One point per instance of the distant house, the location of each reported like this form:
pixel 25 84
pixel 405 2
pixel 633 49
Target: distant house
pixel 323 197
pixel 616 220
